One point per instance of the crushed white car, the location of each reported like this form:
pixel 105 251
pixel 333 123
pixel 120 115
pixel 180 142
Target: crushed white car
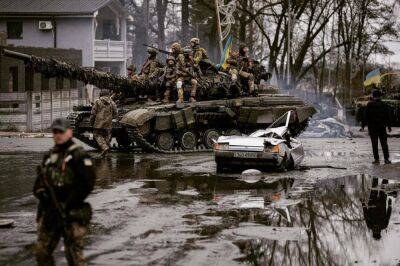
pixel 264 149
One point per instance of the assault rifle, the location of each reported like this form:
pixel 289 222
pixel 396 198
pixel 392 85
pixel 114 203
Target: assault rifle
pixel 158 49
pixel 63 216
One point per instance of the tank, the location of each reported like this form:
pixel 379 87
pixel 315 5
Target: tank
pixel 392 99
pixel 150 126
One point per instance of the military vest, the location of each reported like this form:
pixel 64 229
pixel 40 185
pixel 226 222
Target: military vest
pixel 58 168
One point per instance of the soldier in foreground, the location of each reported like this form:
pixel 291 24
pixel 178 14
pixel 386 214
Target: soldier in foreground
pixel 103 112
pixel 65 178
pixel 377 118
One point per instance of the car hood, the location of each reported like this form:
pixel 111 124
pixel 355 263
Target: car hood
pixel 248 141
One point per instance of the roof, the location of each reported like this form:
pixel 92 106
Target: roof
pixel 54 7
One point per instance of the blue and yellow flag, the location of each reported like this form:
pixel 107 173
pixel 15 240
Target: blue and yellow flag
pixel 227 51
pixel 373 77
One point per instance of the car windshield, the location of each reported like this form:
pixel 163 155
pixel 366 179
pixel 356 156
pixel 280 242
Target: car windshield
pixel 282 121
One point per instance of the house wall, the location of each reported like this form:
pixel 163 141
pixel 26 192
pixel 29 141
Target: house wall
pixel 34 109
pixel 75 33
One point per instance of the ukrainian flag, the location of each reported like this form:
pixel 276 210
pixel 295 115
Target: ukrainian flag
pixel 373 77
pixel 227 51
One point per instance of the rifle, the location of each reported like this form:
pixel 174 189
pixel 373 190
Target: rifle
pixel 63 216
pixel 158 49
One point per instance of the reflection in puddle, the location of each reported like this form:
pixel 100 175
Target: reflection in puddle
pixel 147 213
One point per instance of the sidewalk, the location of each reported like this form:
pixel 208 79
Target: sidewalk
pixel 5 134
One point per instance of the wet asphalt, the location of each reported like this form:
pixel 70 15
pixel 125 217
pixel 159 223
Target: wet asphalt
pixel 152 209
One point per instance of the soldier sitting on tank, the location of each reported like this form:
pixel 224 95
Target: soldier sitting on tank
pixel 132 72
pixel 244 70
pixel 177 53
pixel 187 75
pixel 151 68
pixel 170 77
pixel 200 54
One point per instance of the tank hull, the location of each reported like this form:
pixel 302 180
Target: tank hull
pixel 172 128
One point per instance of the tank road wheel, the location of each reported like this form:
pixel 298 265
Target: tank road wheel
pixel 209 136
pixel 188 140
pixel 233 132
pixel 165 141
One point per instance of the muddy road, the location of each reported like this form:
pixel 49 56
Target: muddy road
pixel 174 210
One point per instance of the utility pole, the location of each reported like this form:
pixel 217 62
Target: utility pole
pixel 219 27
pixel 289 22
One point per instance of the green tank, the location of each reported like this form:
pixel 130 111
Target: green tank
pixel 148 126
pixel 391 99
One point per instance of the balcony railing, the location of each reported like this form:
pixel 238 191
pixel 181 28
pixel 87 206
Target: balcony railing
pixel 108 50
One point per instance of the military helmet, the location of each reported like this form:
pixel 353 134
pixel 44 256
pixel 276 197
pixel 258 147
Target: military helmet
pixel 176 46
pixel 151 50
pixel 187 50
pixel 195 40
pixel 131 67
pixel 170 58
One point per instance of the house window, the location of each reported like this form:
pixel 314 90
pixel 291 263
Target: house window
pixel 109 30
pixel 13 79
pixel 14 30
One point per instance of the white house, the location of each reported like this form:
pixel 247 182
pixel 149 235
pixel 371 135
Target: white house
pixel 97 27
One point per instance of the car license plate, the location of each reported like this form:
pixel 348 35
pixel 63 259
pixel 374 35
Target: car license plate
pixel 245 155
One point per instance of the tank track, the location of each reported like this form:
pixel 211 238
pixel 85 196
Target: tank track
pixel 74 118
pixel 136 137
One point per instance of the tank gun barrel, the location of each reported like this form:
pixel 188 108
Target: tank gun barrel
pixel 55 68
pixel 13 54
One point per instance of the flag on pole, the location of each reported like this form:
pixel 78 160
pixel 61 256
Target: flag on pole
pixel 373 77
pixel 227 51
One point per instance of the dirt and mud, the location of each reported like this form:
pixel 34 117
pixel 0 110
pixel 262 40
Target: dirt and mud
pixel 174 210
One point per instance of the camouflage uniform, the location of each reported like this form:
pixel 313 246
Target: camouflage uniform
pixel 199 53
pixel 151 67
pixel 103 111
pixel 132 73
pixel 241 67
pixel 68 169
pixel 186 74
pixel 170 78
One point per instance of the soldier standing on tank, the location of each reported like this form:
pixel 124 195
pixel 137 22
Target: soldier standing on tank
pixel 65 178
pixel 170 78
pixel 103 112
pixel 377 118
pixel 187 75
pixel 152 66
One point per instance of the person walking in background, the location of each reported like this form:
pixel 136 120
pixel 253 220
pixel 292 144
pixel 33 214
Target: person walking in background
pixel 377 118
pixel 104 111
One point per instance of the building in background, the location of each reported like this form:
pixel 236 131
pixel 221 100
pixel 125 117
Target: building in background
pixel 96 29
